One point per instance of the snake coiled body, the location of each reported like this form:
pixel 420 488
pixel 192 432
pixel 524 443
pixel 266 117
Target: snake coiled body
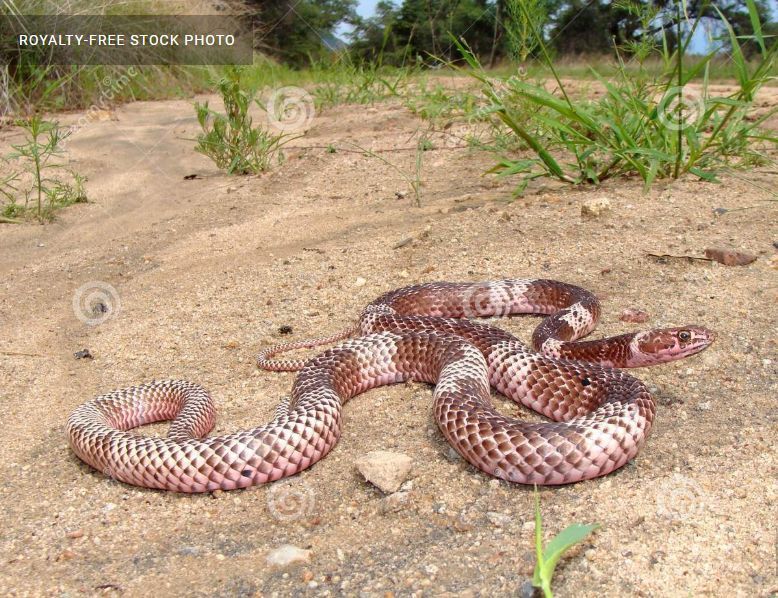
pixel 600 416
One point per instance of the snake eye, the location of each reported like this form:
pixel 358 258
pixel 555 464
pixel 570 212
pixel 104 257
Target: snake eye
pixel 684 336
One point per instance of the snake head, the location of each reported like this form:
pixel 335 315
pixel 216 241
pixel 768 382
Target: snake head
pixel 668 344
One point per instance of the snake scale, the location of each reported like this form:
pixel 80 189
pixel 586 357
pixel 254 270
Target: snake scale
pixel 600 416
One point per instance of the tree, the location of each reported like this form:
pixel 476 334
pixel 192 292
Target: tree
pixel 421 29
pixel 298 31
pixel 582 27
pixel 375 38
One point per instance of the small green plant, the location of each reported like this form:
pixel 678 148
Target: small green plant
pixel 231 140
pixel 425 144
pixel 440 103
pixel 414 181
pixel 349 82
pixel 648 123
pixel 548 558
pixel 525 21
pixel 43 179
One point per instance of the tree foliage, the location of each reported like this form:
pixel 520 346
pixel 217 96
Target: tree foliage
pixel 420 31
pixel 298 31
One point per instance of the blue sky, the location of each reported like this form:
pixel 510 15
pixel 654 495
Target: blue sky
pixel 366 8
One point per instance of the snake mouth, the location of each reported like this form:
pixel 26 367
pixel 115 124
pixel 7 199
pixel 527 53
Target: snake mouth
pixel 703 337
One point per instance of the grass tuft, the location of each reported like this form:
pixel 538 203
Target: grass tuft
pixel 36 175
pixel 231 140
pixel 648 124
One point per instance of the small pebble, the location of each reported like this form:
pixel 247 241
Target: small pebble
pixel 527 590
pixel 498 519
pixel 385 469
pixel 596 207
pixel 729 257
pixel 452 455
pixel 394 502
pixel 287 554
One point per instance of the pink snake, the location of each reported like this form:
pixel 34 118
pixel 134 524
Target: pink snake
pixel 601 416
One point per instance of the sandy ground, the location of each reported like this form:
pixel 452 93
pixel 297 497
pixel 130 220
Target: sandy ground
pixel 205 271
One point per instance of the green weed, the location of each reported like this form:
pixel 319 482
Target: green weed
pixel 548 557
pixel 231 140
pixel 439 103
pixel 414 179
pixel 42 180
pixel 348 82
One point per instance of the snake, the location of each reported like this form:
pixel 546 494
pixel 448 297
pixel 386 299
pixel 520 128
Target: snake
pixel 598 416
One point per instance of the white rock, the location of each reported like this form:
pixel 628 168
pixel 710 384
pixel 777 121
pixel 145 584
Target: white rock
pixel 286 555
pixel 385 469
pixel 360 282
pixel 593 208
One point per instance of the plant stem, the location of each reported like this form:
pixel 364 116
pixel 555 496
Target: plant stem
pixel 679 51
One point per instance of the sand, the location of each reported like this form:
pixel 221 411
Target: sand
pixel 199 274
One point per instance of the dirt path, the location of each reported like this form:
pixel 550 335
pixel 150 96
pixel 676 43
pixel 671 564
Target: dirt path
pixel 207 270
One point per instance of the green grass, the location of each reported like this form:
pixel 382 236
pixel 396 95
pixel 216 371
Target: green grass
pixel 639 127
pixel 50 88
pixel 414 178
pixel 28 84
pixel 347 82
pixel 721 69
pixel 437 102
